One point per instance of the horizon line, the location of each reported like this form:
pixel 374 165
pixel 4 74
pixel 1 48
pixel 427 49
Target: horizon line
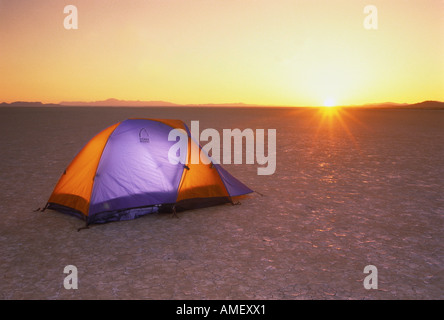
pixel 162 103
pixel 148 103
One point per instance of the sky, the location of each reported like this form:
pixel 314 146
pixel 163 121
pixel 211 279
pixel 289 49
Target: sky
pixel 268 52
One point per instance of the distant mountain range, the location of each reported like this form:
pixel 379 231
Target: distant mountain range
pixel 119 103
pixel 28 104
pixel 420 105
pixel 138 103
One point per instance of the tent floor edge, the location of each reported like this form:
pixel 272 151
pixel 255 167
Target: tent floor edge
pixel 65 210
pixel 132 213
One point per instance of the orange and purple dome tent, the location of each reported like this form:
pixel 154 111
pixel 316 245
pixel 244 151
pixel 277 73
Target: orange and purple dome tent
pixel 124 172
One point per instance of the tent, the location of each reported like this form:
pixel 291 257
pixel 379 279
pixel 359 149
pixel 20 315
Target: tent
pixel 124 172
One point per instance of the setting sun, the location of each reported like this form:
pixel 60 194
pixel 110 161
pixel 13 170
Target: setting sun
pixel 329 102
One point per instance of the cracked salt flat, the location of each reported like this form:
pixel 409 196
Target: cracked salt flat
pixel 334 205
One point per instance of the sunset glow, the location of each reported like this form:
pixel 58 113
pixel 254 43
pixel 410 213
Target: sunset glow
pixel 329 103
pixel 284 52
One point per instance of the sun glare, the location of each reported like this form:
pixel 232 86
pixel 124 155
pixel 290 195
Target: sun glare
pixel 329 103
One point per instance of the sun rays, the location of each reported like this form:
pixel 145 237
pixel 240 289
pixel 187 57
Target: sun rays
pixel 334 120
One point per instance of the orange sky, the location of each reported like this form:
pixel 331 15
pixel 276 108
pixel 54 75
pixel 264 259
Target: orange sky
pixel 270 52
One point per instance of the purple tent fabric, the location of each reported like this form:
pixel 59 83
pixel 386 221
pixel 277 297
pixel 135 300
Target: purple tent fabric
pixel 134 170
